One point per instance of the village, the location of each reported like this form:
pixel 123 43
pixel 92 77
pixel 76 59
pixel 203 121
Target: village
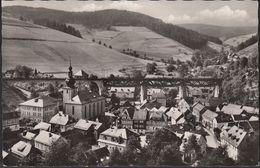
pixel 75 116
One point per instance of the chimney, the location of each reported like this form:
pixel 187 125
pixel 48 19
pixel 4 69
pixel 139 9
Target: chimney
pixel 50 135
pixel 24 133
pixel 36 100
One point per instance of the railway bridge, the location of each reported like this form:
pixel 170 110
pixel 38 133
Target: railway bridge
pixel 143 83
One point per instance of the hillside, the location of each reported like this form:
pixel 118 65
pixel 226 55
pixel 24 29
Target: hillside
pixel 235 41
pixel 105 18
pixel 49 50
pixel 144 41
pixel 251 51
pixel 220 31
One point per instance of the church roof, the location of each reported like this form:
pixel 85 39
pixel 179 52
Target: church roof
pixel 81 73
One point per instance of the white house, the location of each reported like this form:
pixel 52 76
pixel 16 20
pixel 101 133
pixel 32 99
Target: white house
pixel 209 119
pixel 42 126
pixel 21 149
pixel 39 109
pixel 232 137
pixel 62 122
pixel 44 140
pixel 176 116
pixel 115 138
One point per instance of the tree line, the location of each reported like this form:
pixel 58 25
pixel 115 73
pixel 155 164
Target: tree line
pixel 248 42
pixel 58 26
pixel 106 18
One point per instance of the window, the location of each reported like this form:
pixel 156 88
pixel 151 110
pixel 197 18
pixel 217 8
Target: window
pixel 73 110
pixel 67 90
pixel 85 111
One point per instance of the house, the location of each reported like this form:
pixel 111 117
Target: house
pixel 176 116
pixel 208 119
pixel 232 137
pixel 62 122
pixel 222 119
pixel 139 120
pixel 39 109
pixel 160 97
pixel 126 116
pixel 242 117
pixel 28 136
pixel 11 120
pixel 232 109
pixel 115 137
pixel 185 104
pixel 42 126
pixel 189 156
pixel 85 126
pixel 251 110
pixel 150 104
pixel 44 140
pixel 197 110
pixel 156 120
pixel 21 149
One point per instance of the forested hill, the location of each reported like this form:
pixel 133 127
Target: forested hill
pixel 107 18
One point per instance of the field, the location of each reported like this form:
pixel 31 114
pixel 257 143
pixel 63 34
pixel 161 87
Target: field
pixel 250 51
pixel 140 39
pixel 235 41
pixel 49 51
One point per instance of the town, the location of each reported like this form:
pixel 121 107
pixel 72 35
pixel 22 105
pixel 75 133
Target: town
pixel 81 124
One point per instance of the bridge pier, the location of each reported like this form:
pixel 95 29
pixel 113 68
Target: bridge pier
pixel 143 93
pixel 216 91
pixel 182 91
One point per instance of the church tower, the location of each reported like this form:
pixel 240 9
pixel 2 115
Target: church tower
pixel 69 90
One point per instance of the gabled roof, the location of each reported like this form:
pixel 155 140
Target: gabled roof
pixel 42 126
pixel 234 136
pixel 47 138
pixel 124 133
pixel 4 154
pixel 232 109
pixel 209 115
pixel 62 119
pixel 21 148
pixel 159 95
pixel 151 104
pixel 127 104
pixel 252 110
pixel 85 96
pixel 199 108
pixel 140 114
pixel 81 73
pixel 41 101
pixel 157 115
pixel 86 124
pixel 28 135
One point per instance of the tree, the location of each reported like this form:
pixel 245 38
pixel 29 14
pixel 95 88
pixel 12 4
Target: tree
pixel 243 62
pixel 248 153
pixel 173 93
pixel 150 68
pixel 51 88
pixel 58 155
pixel 137 74
pixel 170 68
pixel 110 46
pixel 115 158
pixel 192 145
pixel 23 71
pixel 218 157
pixel 34 94
pixel 183 70
pixel 170 155
pixel 93 40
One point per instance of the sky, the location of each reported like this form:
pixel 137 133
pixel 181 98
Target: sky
pixel 223 13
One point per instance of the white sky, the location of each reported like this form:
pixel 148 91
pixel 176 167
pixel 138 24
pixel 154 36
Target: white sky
pixel 223 13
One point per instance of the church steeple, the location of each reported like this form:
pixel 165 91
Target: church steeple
pixel 70 81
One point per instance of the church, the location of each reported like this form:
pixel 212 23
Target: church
pixel 81 103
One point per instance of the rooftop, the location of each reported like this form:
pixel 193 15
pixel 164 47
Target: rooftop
pixel 234 136
pixel 86 124
pixel 209 115
pixel 125 133
pixel 42 126
pixel 232 109
pixel 21 148
pixel 41 101
pixel 28 135
pixel 62 119
pixel 140 114
pixel 85 96
pixel 47 138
